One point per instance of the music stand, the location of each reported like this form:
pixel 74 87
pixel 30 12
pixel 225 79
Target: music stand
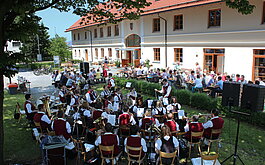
pixel 235 155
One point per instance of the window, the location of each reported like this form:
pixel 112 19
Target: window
pixel 96 53
pixel 178 55
pixel 214 60
pixel 102 52
pixel 178 22
pixel 79 53
pixel 95 33
pixel 117 31
pixel 156 54
pixel 110 52
pixel 75 53
pixel 214 18
pixel 133 40
pixel 117 54
pixel 74 37
pixel 16 44
pixel 259 64
pixel 263 15
pixel 156 25
pixel 78 36
pixel 109 31
pixel 101 32
pixel 85 35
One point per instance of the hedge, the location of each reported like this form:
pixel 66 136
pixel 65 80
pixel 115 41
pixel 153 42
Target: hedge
pixel 197 100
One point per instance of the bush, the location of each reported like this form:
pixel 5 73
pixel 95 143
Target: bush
pixel 202 101
pixel 183 96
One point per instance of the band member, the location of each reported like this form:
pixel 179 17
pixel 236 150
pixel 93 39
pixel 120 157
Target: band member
pixel 62 94
pixel 61 127
pixel 42 118
pixel 29 107
pixel 105 93
pixel 193 126
pixel 132 95
pixel 175 104
pixel 166 89
pixel 135 140
pixel 117 99
pixel 125 118
pixel 216 122
pixel 167 143
pixel 91 97
pixel 108 103
pixel 159 110
pixel 148 120
pixel 111 83
pixel 97 114
pixel 109 139
pixel 173 126
pixel 74 99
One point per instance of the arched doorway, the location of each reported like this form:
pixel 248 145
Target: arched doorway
pixel 132 51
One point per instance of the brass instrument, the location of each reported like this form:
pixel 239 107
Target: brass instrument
pixel 206 116
pixel 46 106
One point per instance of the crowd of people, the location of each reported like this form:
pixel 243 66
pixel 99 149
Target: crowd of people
pixel 111 118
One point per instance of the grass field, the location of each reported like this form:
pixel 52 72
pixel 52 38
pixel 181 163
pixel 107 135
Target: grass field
pixel 21 148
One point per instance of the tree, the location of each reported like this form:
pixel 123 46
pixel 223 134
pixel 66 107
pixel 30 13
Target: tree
pixel 30 45
pixel 59 48
pixel 15 16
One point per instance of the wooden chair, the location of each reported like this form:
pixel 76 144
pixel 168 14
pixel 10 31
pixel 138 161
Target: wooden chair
pixel 217 140
pixel 195 135
pixel 168 156
pixel 37 125
pixel 107 149
pixel 80 150
pixel 207 156
pixel 132 158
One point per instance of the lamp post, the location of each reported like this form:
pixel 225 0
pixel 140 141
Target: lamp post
pixel 165 36
pixel 90 33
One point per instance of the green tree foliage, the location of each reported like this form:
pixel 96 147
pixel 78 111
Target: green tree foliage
pixel 30 45
pixel 59 48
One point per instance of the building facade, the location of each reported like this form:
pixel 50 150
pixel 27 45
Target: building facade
pixel 208 32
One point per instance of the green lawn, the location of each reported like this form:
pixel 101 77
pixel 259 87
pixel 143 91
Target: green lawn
pixel 21 148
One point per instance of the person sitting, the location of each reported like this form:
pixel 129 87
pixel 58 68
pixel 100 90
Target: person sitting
pixel 173 126
pixel 62 94
pixel 175 104
pixel 61 126
pixel 109 139
pixel 105 93
pixel 148 120
pixel 218 88
pixel 198 84
pixel 91 97
pixel 135 141
pixel 159 110
pixel 42 118
pixel 117 99
pixel 29 108
pixel 166 143
pixel 125 118
pixel 193 126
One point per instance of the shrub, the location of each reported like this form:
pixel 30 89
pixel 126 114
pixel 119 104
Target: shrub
pixel 202 101
pixel 183 96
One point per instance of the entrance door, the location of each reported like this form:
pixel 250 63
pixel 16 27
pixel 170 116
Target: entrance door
pixel 137 57
pixel 214 60
pixel 86 55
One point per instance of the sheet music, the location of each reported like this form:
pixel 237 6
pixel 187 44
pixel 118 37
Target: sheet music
pixel 150 102
pixel 160 97
pixel 89 147
pixel 165 101
pixel 128 85
pixel 140 112
pixel 181 114
pixel 67 110
pixel 112 119
pixel 170 107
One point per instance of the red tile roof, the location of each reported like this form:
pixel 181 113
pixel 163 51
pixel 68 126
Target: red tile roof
pixel 157 6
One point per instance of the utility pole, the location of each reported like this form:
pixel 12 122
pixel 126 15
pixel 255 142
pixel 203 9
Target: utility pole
pixel 165 37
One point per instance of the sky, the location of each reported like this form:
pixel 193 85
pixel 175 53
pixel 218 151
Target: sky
pixel 58 22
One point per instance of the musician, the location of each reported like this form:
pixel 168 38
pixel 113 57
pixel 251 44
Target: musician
pixel 74 99
pixel 148 120
pixel 61 126
pixel 193 126
pixel 42 118
pixel 216 122
pixel 175 104
pixel 29 108
pixel 173 126
pixel 132 95
pixel 117 99
pixel 111 83
pixel 135 140
pixel 70 82
pixel 109 139
pixel 108 103
pixel 167 143
pixel 159 110
pixel 91 97
pixel 105 93
pixel 166 89
pixel 125 118
pixel 62 94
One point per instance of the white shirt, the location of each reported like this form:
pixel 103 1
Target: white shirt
pixel 158 142
pixel 76 116
pixel 28 106
pixel 105 115
pixel 68 127
pixel 132 120
pixel 198 83
pixel 187 127
pixel 98 141
pixel 168 90
pixel 87 113
pixel 209 124
pixel 88 98
pixel 61 93
pixel 143 143
pixel 112 82
pixel 45 118
pixel 156 122
pixel 72 101
pixel 159 109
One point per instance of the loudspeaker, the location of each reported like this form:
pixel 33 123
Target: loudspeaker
pixel 231 93
pixel 253 97
pixel 85 67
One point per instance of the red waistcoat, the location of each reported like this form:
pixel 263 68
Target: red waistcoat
pixel 218 123
pixel 32 106
pixel 124 119
pixel 59 127
pixel 134 142
pixel 109 140
pixel 165 90
pixel 37 119
pixel 147 121
pixel 172 125
pixel 97 114
pixel 194 127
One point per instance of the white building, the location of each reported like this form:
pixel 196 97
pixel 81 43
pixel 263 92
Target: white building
pixel 206 31
pixel 13 46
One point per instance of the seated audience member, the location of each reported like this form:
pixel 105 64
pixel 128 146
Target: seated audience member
pixel 135 140
pixel 166 143
pixel 42 118
pixel 148 120
pixel 29 107
pixel 173 126
pixel 198 83
pixel 109 139
pixel 243 80
pixel 193 126
pixel 61 126
pixel 218 88
pixel 216 122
